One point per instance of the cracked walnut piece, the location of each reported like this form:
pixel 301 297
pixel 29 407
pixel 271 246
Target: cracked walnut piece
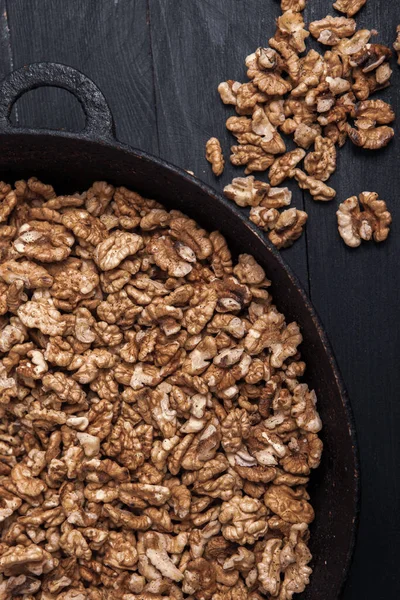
pixel 396 44
pixel 349 7
pixel 356 225
pixel 288 228
pixel 214 156
pixel 155 439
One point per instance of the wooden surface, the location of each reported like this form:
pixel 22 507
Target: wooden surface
pixel 159 63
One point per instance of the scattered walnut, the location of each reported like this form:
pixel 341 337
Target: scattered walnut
pixel 356 225
pixel 149 391
pixel 291 23
pixel 214 156
pixel 228 91
pixel 253 156
pixel 285 166
pixel 396 44
pixel 349 7
pixel 246 191
pixel 321 163
pixel 295 5
pixel 371 138
pixel 370 57
pixel 331 30
pixel 378 111
pixel 317 189
pixel 311 97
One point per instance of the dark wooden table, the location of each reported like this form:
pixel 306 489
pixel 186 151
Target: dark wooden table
pixel 159 63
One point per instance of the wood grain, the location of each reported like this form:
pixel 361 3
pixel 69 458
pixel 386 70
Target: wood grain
pixel 159 63
pixel 356 293
pixel 109 41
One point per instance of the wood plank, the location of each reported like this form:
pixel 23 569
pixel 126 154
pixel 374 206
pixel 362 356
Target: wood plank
pixel 356 293
pixel 5 43
pixel 196 45
pixel 108 41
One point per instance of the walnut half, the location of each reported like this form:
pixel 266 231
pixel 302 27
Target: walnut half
pixel 214 156
pixel 356 225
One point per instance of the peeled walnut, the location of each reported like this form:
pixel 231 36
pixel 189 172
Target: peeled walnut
pixel 317 189
pixel 295 5
pixel 349 7
pixel 252 156
pixel 265 218
pixel 378 111
pixel 45 242
pixel 288 228
pixel 304 135
pixel 243 520
pixel 270 144
pixel 110 253
pixel 214 156
pixel 285 166
pixel 321 163
pixel 263 69
pixel 31 274
pixel 291 23
pixel 228 91
pixel 246 191
pixel 331 30
pixel 396 44
pixel 248 95
pixel 289 504
pixel 355 225
pixel 371 137
pixel 370 57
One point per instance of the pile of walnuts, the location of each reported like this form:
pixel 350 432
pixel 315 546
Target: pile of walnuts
pixel 320 100
pixel 155 439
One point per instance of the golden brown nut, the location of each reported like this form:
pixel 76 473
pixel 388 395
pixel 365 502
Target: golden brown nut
pixel 396 44
pixel 288 228
pixel 290 505
pixel 43 241
pixel 321 163
pixel 291 24
pixel 7 201
pixel 285 166
pixel 272 143
pixel 214 156
pixel 370 57
pixel 372 138
pixel 295 5
pixel 228 91
pixel 31 274
pixel 305 135
pixel 355 225
pixel 247 96
pixel 262 68
pixel 349 7
pixel 253 157
pixel 246 191
pixel 265 218
pixel 331 30
pixel 376 110
pixel 317 189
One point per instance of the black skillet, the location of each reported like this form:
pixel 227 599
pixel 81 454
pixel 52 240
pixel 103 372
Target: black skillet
pixel 72 161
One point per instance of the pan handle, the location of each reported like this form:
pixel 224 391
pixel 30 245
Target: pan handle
pixel 99 120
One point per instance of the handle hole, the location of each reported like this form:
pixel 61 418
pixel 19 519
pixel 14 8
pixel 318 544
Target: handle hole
pixel 48 108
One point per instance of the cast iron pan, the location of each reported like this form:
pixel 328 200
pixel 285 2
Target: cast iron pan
pixel 72 162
